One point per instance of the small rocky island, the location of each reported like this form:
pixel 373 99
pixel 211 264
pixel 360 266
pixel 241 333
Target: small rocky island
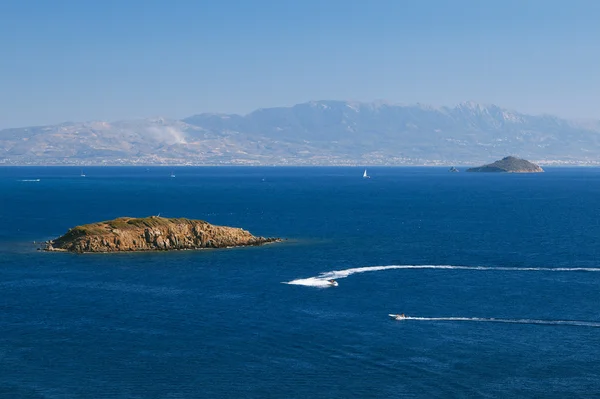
pixel 509 165
pixel 153 233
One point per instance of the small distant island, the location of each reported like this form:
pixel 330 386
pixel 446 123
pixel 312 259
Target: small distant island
pixel 154 233
pixel 509 165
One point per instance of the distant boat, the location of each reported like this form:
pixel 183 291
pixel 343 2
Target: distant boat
pixel 82 174
pixel 453 169
pixel 365 175
pixel 172 174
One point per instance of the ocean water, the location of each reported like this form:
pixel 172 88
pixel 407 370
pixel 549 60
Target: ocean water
pixel 499 276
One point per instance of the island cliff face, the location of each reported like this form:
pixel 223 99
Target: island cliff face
pixel 509 165
pixel 152 234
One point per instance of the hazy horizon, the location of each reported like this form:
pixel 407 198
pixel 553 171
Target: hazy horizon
pixel 109 61
pixel 391 103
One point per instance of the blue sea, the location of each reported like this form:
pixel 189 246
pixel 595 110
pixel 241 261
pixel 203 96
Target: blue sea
pixel 499 275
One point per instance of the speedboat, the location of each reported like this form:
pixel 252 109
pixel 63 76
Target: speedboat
pixel 398 316
pixel 332 283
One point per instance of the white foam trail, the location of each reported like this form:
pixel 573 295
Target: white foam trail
pixel 321 279
pixel 311 282
pixel 32 180
pixel 514 321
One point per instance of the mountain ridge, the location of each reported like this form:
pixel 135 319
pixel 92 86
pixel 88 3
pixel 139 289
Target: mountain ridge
pixel 326 132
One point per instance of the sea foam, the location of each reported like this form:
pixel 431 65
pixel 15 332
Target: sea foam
pixel 321 279
pixel 513 321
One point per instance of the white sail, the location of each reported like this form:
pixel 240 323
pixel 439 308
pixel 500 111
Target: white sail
pixel 365 175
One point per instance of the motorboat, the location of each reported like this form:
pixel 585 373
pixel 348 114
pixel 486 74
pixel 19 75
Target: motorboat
pixel 398 316
pixel 332 283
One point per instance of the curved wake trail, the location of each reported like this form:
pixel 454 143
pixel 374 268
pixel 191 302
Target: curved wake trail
pixel 513 321
pixel 321 279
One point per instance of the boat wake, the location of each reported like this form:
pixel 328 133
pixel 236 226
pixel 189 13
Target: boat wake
pixel 322 279
pixel 312 282
pixel 30 180
pixel 512 321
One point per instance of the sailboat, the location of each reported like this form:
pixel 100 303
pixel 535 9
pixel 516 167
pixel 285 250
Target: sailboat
pixel 172 174
pixel 82 174
pixel 365 175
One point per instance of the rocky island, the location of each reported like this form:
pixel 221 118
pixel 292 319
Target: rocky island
pixel 153 233
pixel 509 165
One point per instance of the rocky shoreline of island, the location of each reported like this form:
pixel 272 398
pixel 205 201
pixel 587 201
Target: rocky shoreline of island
pixel 154 233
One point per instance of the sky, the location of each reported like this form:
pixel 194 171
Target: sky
pixel 81 60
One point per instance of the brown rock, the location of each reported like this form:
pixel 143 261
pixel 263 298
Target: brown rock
pixel 152 234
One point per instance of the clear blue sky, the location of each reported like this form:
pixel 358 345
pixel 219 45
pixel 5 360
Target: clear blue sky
pixel 75 60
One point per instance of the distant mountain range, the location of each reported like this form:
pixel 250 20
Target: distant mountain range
pixel 313 133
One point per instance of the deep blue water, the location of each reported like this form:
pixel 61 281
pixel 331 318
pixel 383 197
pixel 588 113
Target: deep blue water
pixel 223 323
